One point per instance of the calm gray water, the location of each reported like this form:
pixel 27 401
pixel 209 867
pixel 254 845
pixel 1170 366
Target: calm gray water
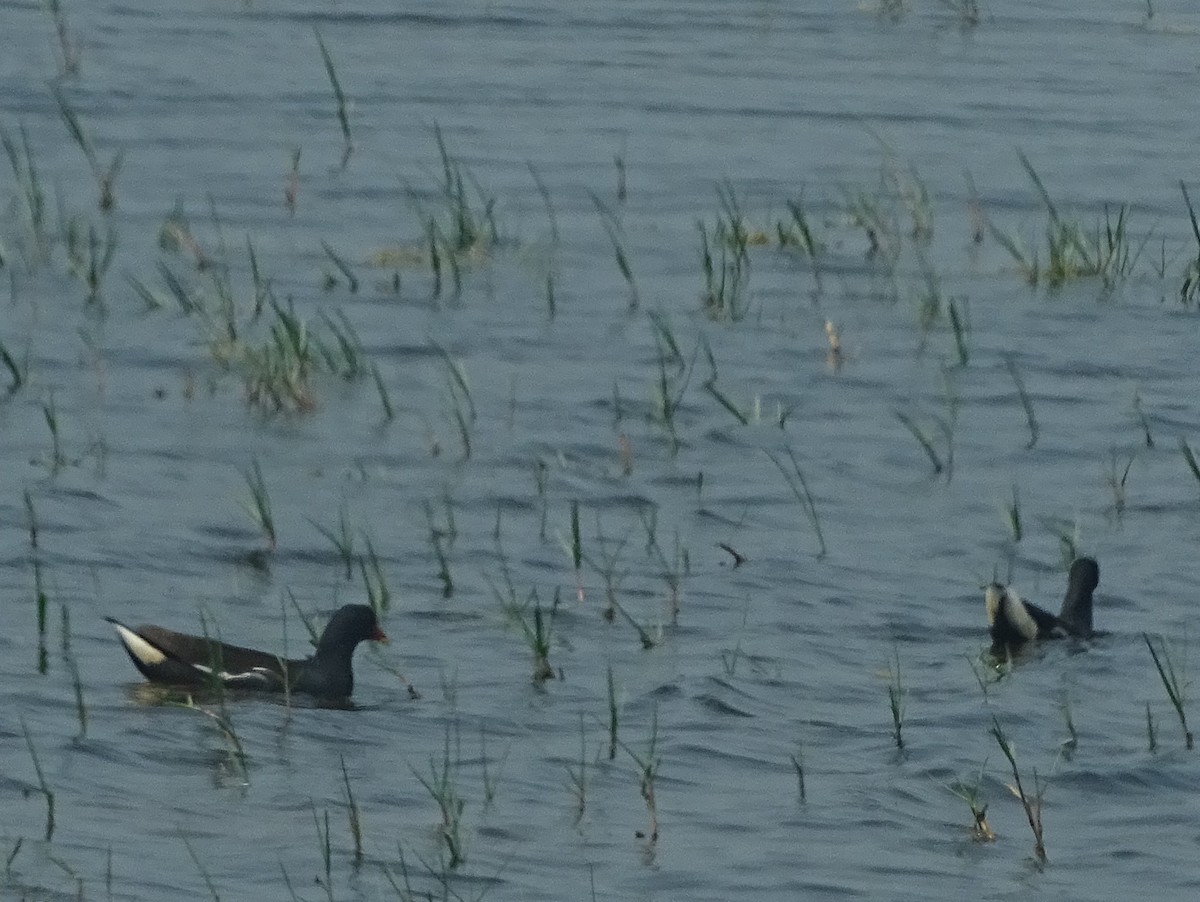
pixel 506 415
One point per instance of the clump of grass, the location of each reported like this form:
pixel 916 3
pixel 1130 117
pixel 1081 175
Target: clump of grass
pixel 1031 803
pixel 897 695
pixel 969 792
pixel 725 259
pixel 648 765
pixel 912 194
pixel 537 629
pixel 472 227
pixel 1105 252
pixel 797 233
pixel 538 636
pixel 867 212
pixel 442 786
pixel 279 372
pixel 1173 682
pixel 458 219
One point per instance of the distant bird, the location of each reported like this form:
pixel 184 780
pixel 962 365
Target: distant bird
pixel 164 656
pixel 1013 622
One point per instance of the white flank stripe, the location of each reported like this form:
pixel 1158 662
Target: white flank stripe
pixel 254 675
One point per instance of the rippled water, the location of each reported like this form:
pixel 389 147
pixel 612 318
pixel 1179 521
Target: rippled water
pixel 509 409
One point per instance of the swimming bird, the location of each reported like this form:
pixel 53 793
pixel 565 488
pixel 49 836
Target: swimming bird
pixel 1013 621
pixel 165 656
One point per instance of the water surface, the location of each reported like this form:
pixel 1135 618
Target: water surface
pixel 140 515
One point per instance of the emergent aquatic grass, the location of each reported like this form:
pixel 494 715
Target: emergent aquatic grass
pixel 442 786
pixel 339 95
pixel 969 792
pixel 105 176
pixel 1173 682
pixel 897 699
pixel 1105 252
pixel 1032 803
pixel 258 507
pixel 725 259
pixel 43 786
